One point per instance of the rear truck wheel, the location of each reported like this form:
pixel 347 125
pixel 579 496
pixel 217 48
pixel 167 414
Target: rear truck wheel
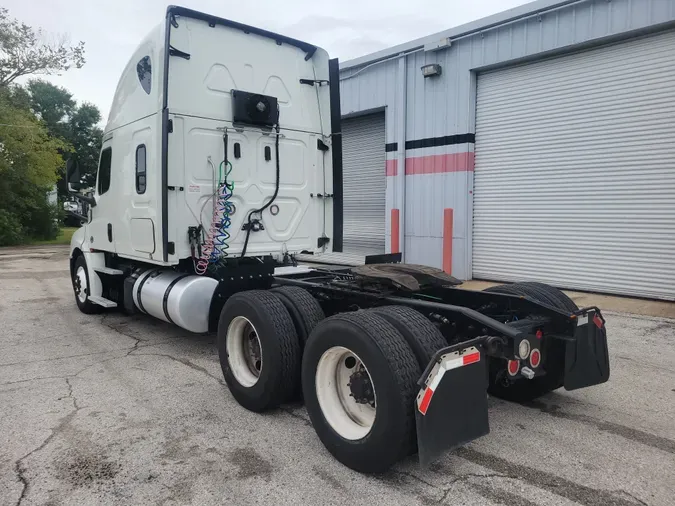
pixel 421 335
pixel 259 350
pixel 359 383
pixel 80 278
pixel 523 390
pixel 538 292
pixel 304 309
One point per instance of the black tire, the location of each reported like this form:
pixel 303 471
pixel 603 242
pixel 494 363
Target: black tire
pixel 280 349
pixel 538 292
pixel 560 299
pixel 554 350
pixel 421 335
pixel 86 306
pixel 304 309
pixel 394 372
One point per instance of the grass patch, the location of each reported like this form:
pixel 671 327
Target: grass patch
pixel 65 234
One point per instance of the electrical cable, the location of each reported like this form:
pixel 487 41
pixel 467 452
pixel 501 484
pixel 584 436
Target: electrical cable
pixel 249 221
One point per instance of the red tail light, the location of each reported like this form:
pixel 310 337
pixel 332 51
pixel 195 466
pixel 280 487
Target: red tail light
pixel 535 358
pixel 513 367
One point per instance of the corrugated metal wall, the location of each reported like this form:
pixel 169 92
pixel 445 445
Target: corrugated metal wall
pixel 575 170
pixel 440 111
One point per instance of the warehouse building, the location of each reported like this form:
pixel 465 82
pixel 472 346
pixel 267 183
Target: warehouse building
pixel 535 144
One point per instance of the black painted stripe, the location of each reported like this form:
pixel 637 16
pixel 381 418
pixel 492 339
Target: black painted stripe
pixel 446 140
pixel 429 142
pixel 165 302
pixel 140 286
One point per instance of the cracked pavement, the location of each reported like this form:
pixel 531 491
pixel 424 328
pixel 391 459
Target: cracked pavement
pixel 109 409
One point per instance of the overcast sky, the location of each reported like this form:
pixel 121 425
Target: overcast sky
pixel 111 30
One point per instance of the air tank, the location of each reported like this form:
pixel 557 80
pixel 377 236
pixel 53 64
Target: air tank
pixel 178 298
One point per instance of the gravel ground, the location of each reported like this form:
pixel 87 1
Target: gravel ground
pixel 115 410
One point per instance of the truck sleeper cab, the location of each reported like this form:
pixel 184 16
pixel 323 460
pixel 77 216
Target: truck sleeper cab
pixel 216 169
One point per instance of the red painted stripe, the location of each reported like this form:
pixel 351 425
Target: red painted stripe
pixel 426 400
pixel 439 164
pixel 395 231
pixel 471 358
pixel 448 218
pixel 433 164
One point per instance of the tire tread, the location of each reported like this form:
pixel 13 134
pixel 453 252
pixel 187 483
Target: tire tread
pixel 308 310
pixel 421 335
pixel 286 336
pixel 403 364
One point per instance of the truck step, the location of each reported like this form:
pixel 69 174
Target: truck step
pixel 102 301
pixel 109 270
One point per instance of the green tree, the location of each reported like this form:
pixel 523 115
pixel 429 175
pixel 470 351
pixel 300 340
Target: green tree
pixel 85 136
pixel 35 128
pixel 52 104
pixel 29 164
pixel 76 125
pixel 26 147
pixel 28 51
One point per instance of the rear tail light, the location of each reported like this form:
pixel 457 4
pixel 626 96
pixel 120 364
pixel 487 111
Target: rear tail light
pixel 524 349
pixel 513 367
pixel 539 334
pixel 535 358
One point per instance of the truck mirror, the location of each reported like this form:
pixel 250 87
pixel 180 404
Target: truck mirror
pixel 73 175
pixel 72 172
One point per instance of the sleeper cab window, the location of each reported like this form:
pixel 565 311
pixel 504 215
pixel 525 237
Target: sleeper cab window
pixel 104 171
pixel 144 71
pixel 140 169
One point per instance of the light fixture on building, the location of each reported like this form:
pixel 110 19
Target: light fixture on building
pixel 433 69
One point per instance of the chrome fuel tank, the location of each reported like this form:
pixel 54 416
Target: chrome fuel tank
pixel 174 297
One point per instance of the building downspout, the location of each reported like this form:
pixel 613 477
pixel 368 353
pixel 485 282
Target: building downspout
pixel 401 120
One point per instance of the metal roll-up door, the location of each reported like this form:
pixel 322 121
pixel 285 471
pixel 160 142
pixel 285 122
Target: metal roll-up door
pixel 574 180
pixel 364 184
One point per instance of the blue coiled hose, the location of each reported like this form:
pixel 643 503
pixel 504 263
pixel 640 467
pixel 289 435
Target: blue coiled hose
pixel 224 210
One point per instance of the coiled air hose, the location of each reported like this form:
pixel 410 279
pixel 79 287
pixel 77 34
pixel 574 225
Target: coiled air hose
pixel 215 244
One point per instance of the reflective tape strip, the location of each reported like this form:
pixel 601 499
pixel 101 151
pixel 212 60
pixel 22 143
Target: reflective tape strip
pixel 426 400
pixel 469 356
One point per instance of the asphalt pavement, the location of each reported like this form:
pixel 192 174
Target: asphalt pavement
pixel 110 409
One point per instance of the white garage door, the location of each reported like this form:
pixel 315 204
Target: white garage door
pixel 364 182
pixel 575 171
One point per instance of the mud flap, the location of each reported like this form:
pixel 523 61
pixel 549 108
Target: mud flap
pixel 587 356
pixel 451 407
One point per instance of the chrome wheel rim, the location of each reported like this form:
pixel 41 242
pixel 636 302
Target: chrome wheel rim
pixel 81 284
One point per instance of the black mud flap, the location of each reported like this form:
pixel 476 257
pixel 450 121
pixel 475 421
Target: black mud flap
pixel 587 356
pixel 451 408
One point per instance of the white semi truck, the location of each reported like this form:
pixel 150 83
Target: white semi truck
pixel 221 161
